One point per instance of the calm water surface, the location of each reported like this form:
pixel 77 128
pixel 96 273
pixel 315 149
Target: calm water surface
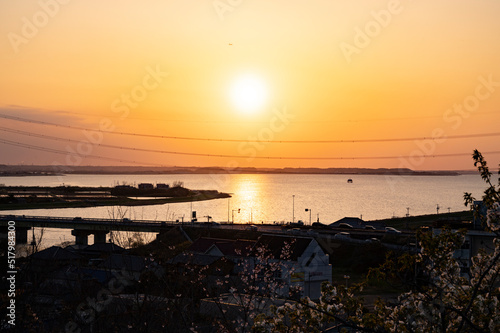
pixel 277 197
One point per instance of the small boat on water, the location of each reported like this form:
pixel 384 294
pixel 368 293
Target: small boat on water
pixel 349 180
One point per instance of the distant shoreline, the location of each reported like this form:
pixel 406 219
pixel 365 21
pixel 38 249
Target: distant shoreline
pixel 46 197
pixel 44 170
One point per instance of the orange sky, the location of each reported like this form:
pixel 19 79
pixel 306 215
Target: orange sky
pixel 330 70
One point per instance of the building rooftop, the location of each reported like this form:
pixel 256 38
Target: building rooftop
pixel 226 246
pixel 276 243
pixel 55 253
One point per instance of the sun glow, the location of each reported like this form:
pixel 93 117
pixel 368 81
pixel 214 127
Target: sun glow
pixel 249 94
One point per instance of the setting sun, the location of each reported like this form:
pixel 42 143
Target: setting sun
pixel 159 89
pixel 249 93
pixel 238 164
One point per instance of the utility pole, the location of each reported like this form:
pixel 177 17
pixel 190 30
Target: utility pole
pixel 407 217
pixel 437 209
pixel 234 210
pixel 293 208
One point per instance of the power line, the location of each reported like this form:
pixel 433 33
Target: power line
pixel 19 144
pixel 49 137
pixel 62 152
pixel 204 121
pixel 464 136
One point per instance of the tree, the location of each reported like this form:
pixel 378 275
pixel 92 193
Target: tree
pixel 441 299
pixel 261 279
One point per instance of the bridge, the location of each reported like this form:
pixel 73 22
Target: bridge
pixel 100 227
pixel 81 227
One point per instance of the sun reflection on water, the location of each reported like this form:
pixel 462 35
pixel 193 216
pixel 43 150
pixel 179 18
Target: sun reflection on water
pixel 252 206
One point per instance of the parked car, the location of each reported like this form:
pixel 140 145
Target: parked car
pixel 372 240
pixel 345 225
pixel 370 227
pixel 392 230
pixel 312 233
pixel 342 235
pixel 211 224
pixel 299 223
pixel 294 231
pixel 251 228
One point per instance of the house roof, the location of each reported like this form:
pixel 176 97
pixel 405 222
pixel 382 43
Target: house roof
pixel 238 247
pixel 55 253
pixel 98 274
pixel 194 259
pixel 276 243
pixel 104 247
pixel 226 246
pixel 128 262
pixel 202 244
pixel 354 221
pixel 75 247
pixel 74 273
pixel 358 223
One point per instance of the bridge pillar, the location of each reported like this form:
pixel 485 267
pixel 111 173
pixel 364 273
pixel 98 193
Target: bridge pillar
pixel 81 236
pixel 100 237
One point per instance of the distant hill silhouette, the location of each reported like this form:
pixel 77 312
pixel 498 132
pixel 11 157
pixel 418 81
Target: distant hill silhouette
pixel 27 170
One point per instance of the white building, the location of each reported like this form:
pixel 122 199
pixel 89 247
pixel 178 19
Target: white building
pixel 307 263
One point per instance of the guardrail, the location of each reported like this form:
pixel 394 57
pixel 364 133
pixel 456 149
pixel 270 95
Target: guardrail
pixel 90 221
pixel 24 218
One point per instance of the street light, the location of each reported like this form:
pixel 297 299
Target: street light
pixel 407 221
pixel 232 211
pixel 310 212
pixel 346 277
